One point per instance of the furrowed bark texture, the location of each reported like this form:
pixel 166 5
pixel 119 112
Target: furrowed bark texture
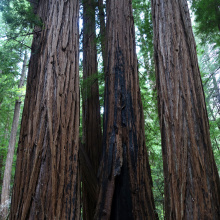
pixel 5 196
pixel 192 188
pixel 92 136
pixel 47 179
pixel 126 182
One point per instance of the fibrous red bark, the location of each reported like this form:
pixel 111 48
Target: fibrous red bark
pixel 192 187
pixel 47 179
pixel 126 183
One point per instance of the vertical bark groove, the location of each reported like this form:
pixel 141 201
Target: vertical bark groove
pixel 192 187
pixel 126 183
pixel 47 171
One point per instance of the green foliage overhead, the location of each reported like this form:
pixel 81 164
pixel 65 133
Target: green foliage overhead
pixel 144 36
pixel 207 18
pixel 18 23
pixel 145 53
pixel 14 39
pixel 19 18
pixel 210 70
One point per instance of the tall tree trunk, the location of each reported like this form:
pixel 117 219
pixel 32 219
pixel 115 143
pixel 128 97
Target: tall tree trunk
pixel 47 179
pixel 102 29
pixel 3 151
pixel 3 146
pixel 92 136
pixel 5 200
pixel 1 167
pixel 192 187
pixel 126 182
pixel 217 96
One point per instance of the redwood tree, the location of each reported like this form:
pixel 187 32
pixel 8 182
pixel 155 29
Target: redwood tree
pixel 102 29
pixel 5 196
pixel 192 187
pixel 46 182
pixel 92 136
pixel 125 188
